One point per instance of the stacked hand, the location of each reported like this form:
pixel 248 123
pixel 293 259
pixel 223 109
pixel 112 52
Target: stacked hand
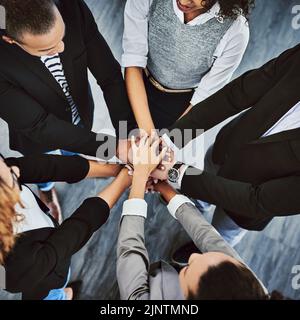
pixel 146 154
pixel 138 148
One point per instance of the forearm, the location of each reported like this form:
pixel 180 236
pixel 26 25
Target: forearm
pixel 98 170
pixel 113 191
pixel 132 259
pixel 189 108
pixel 203 234
pixel 43 168
pixel 167 192
pixel 241 94
pixel 138 185
pixel 243 199
pixel 138 98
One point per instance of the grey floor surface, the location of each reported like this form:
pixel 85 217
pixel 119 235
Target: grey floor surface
pixel 271 253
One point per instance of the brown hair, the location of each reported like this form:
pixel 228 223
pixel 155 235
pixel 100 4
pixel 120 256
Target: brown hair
pixel 9 198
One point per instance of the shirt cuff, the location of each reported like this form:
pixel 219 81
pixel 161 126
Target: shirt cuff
pixel 131 60
pixel 177 202
pixel 135 207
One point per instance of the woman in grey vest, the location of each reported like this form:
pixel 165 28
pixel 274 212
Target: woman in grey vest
pixel 179 52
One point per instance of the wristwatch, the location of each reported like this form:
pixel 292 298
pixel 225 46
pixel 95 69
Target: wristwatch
pixel 173 173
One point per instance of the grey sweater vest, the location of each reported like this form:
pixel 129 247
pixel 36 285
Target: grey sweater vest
pixel 179 54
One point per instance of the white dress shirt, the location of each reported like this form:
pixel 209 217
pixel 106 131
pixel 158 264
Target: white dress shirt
pixel 138 207
pixel 176 202
pixel 31 216
pixel 291 120
pixel 227 56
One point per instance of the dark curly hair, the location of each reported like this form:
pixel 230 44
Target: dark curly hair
pixel 231 8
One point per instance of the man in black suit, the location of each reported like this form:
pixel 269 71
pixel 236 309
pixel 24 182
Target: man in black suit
pixel 254 174
pixel 45 53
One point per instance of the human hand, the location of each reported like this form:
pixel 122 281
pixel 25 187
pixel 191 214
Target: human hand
pixel 125 178
pixel 161 172
pixel 124 151
pixel 146 155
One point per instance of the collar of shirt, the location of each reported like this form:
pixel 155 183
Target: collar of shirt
pixel 202 18
pixel 31 215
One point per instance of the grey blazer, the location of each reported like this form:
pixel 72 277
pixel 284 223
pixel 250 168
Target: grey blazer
pixel 137 279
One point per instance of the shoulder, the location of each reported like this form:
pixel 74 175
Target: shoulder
pixel 238 35
pixel 27 244
pixel 240 26
pixel 138 7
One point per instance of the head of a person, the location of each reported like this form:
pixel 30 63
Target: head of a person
pixel 217 276
pixel 9 197
pixel 34 25
pixel 229 8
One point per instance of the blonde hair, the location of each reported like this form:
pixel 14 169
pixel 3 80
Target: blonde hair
pixel 8 199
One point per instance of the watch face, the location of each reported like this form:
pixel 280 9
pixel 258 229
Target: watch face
pixel 173 175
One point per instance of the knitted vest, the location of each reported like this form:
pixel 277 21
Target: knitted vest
pixel 179 54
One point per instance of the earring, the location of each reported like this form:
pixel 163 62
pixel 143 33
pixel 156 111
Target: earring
pixel 219 17
pixel 237 11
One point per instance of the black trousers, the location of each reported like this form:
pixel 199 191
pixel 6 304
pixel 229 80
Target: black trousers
pixel 166 108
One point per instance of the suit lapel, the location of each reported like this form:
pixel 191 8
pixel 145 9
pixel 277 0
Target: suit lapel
pixel 280 136
pixel 257 120
pixel 35 65
pixel 67 62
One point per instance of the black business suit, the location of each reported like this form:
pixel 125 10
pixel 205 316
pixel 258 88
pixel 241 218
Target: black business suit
pixel 34 105
pixel 259 178
pixel 40 259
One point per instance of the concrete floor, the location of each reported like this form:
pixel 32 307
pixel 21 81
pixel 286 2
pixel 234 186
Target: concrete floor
pixel 271 253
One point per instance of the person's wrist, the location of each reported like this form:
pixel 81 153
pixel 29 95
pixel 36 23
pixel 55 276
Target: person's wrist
pixel 125 178
pixel 123 150
pixel 141 175
pixel 173 172
pixel 114 169
pixel 167 192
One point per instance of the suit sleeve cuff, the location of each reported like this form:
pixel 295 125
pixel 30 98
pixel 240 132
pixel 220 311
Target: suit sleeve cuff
pixel 135 207
pixel 176 202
